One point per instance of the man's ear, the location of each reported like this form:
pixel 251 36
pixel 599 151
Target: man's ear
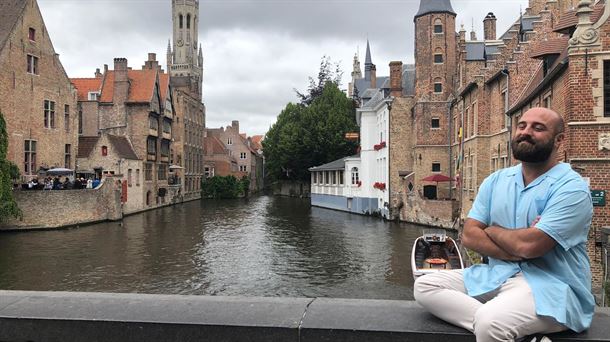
pixel 560 137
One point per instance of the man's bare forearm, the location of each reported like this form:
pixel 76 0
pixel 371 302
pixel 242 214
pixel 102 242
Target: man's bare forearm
pixel 526 243
pixel 476 238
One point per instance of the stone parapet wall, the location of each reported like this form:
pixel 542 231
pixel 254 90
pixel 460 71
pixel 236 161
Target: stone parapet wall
pixel 45 209
pixel 441 213
pixel 92 317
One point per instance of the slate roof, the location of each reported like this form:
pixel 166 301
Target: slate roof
pixel 85 85
pixel 475 50
pixel 434 6
pixel 141 89
pixel 85 146
pixel 123 147
pixel 408 79
pixel 10 12
pixel 338 164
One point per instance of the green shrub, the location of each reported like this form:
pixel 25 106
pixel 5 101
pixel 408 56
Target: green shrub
pixel 224 187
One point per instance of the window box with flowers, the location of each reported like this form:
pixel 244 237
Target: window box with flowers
pixel 379 146
pixel 379 185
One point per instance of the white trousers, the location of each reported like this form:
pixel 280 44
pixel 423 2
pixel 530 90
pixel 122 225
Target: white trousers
pixel 505 314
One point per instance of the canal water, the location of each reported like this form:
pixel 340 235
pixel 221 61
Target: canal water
pixel 263 246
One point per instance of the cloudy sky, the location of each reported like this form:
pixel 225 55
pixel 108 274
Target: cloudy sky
pixel 255 51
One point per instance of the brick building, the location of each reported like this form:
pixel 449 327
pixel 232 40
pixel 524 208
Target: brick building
pixel 125 121
pixel 36 96
pixel 229 152
pixel 185 67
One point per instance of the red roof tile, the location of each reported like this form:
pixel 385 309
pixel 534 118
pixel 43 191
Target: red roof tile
pixel 141 88
pixel 569 18
pixel 85 85
pixel 549 47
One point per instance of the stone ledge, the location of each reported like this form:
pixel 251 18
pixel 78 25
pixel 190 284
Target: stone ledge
pixel 92 317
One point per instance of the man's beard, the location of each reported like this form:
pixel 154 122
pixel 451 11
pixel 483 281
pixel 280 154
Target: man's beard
pixel 527 150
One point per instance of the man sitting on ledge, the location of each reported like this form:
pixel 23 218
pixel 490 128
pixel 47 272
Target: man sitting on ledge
pixel 532 220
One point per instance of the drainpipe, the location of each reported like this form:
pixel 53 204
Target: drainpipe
pixel 509 153
pixel 449 118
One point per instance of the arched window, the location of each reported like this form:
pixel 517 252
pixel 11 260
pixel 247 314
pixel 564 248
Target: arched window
pixel 438 56
pixel 438 85
pixel 180 21
pixel 188 21
pixel 438 26
pixel 355 176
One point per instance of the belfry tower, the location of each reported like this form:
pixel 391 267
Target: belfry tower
pixel 185 56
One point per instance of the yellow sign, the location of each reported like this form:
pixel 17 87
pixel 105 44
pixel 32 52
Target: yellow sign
pixel 352 136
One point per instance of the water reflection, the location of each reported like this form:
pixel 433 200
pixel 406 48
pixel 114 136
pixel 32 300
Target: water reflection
pixel 263 246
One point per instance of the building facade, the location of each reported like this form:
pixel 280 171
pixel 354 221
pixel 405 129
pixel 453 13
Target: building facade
pixel 36 97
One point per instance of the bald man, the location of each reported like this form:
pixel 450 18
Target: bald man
pixel 532 220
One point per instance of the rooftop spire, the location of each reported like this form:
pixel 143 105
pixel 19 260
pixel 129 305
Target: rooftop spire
pixel 368 59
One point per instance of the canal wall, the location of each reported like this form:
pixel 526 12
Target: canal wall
pixel 45 209
pixel 92 317
pixel 414 208
pixel 291 189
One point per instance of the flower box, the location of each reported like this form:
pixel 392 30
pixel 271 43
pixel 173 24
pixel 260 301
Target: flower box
pixel 379 146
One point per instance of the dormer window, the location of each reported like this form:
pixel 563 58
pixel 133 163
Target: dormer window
pixel 93 95
pixel 32 34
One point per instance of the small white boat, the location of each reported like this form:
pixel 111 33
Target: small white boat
pixel 435 252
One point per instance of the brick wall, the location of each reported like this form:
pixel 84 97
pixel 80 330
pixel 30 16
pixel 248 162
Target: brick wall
pixel 58 208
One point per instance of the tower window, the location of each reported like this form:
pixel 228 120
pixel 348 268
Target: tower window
pixel 188 21
pixel 435 123
pixel 180 21
pixel 438 87
pixel 438 58
pixel 438 26
pixel 607 88
pixel 436 167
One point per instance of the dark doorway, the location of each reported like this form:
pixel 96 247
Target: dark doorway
pixel 430 192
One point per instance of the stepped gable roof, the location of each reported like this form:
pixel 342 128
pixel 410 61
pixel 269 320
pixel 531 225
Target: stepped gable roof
pixel 338 164
pixel 85 146
pixel 434 6
pixel 85 85
pixel 539 82
pixel 568 20
pixel 123 147
pixel 549 47
pixel 10 13
pixel 141 86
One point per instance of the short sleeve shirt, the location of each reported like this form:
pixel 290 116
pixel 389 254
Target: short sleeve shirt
pixel 561 279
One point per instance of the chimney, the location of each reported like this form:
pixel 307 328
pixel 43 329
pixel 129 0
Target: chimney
pixel 151 63
pixel 121 80
pixel 489 27
pixel 462 35
pixel 98 74
pixel 396 78
pixel 473 35
pixel 235 125
pixel 373 76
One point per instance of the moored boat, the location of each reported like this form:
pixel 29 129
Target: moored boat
pixel 435 252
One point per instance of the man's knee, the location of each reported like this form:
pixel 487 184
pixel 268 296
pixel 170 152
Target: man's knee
pixel 492 325
pixel 424 284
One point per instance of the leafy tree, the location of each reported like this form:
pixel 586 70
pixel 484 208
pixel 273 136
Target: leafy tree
pixel 325 75
pixel 8 205
pixel 313 132
pixel 224 187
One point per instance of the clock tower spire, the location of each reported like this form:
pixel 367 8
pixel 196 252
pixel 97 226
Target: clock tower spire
pixel 186 67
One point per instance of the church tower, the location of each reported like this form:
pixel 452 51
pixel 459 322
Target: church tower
pixel 185 56
pixel 435 49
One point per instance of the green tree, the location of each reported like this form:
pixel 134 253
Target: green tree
pixel 313 132
pixel 8 205
pixel 224 187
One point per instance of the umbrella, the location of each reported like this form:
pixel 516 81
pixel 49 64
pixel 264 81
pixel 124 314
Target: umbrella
pixel 59 171
pixel 437 178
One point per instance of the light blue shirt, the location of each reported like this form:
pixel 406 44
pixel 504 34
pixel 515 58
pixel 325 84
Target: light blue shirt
pixel 561 279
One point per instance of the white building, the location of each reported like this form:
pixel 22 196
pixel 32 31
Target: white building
pixel 359 184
